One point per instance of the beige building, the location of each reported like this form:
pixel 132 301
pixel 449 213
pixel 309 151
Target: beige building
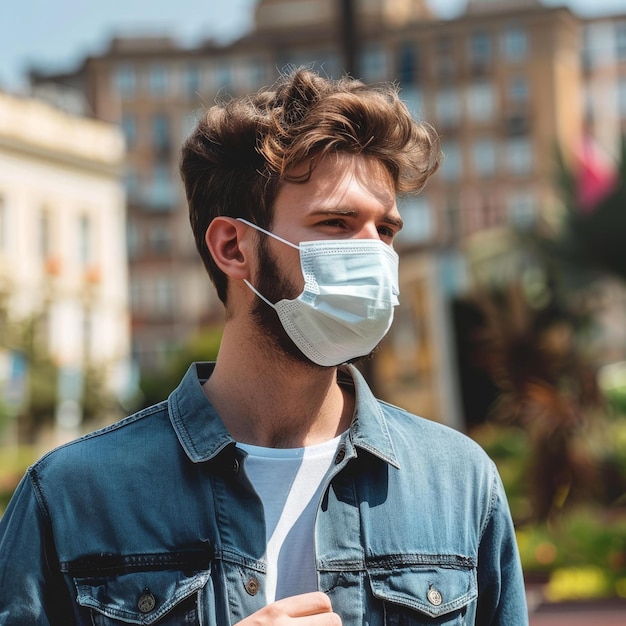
pixel 604 79
pixel 503 83
pixel 62 240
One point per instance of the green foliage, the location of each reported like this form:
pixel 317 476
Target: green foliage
pixel 13 463
pixel 617 399
pixel 27 336
pixel 511 449
pixel 586 546
pixel 203 346
pixel 581 550
pixel 6 416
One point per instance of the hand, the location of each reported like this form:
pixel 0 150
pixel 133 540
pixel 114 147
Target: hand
pixel 307 609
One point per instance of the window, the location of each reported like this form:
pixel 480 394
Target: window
pixel 412 98
pixel 374 63
pixel 620 39
pixel 518 91
pixel 407 64
pixel 329 63
pixel 85 243
pixel 519 156
pixel 160 131
pixel 480 101
pixel 586 54
pixel 125 81
pixel 480 49
pixel 129 128
pixel 192 81
pixel 45 234
pixel 484 157
pixel 419 223
pixel 164 295
pixel 452 167
pixel 256 73
pixel 158 80
pixel 3 224
pixel 444 61
pixel 621 97
pixel 88 332
pixel 515 43
pixel 452 217
pixel 137 294
pixel 160 240
pixel 447 107
pixel 522 209
pixel 224 75
pixel 131 182
pixel 132 240
pixel 188 123
pixel 161 194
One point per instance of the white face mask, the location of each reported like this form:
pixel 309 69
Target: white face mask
pixel 346 306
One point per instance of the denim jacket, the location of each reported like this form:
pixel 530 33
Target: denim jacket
pixel 153 521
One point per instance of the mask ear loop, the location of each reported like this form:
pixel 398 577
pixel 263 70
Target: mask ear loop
pixel 267 232
pixel 258 293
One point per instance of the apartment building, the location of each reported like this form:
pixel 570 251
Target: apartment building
pixel 503 83
pixel 604 78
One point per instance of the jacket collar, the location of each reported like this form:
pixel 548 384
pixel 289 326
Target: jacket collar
pixel 203 436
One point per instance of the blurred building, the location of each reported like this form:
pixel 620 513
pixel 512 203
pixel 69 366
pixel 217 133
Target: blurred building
pixel 503 83
pixel 62 242
pixel 604 79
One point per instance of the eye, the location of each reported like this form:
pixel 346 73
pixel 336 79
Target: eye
pixel 386 232
pixel 333 223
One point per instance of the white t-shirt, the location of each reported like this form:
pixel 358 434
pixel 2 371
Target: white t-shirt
pixel 289 482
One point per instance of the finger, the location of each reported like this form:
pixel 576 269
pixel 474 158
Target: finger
pixel 307 609
pixel 304 604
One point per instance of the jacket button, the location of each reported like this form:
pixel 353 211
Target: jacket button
pixel 434 596
pixel 235 467
pixel 341 454
pixel 251 586
pixel 146 602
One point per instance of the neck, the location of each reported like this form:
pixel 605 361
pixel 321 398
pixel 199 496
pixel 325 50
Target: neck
pixel 277 402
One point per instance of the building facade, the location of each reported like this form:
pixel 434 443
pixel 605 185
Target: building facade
pixel 62 242
pixel 504 83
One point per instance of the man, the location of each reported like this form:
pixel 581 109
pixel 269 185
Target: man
pixel 272 487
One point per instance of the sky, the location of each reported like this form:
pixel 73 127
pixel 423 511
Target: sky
pixel 55 35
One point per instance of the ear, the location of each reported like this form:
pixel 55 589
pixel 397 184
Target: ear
pixel 231 245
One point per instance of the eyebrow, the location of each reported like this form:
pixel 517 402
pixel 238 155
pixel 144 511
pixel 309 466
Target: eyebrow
pixel 329 212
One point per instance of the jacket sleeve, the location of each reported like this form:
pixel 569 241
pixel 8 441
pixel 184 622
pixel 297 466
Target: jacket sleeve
pixel 501 590
pixel 32 590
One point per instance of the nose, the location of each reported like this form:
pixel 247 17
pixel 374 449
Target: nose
pixel 368 231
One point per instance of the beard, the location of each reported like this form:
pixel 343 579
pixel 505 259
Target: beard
pixel 275 286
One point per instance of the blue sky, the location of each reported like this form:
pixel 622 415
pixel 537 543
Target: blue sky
pixel 55 34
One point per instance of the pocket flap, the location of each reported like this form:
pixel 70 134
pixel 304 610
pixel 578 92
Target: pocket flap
pixel 138 597
pixel 429 589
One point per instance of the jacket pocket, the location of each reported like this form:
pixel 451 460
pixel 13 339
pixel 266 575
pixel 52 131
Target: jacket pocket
pixel 429 594
pixel 144 590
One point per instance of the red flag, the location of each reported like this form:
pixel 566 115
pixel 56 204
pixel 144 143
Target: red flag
pixel 596 177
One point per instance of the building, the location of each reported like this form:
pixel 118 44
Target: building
pixel 604 79
pixel 62 242
pixel 504 83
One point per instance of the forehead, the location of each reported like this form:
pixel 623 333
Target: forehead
pixel 340 178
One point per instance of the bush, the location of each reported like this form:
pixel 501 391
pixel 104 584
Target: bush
pixel 14 461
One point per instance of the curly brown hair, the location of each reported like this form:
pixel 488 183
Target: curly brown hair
pixel 242 149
